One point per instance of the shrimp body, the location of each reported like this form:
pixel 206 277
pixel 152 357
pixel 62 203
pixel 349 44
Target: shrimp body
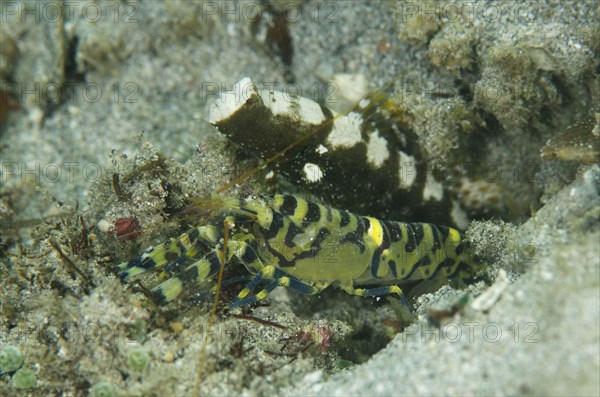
pixel 284 240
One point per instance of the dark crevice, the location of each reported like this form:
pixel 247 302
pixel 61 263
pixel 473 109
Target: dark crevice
pixel 278 40
pixel 72 78
pixel 71 73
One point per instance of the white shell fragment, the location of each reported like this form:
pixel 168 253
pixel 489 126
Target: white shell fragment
pixel 312 172
pixel 486 300
pixel 458 215
pixel 321 149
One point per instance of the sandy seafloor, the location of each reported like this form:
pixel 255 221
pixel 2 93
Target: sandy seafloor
pixel 121 87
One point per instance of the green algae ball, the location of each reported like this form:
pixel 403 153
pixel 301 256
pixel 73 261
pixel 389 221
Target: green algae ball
pixel 138 360
pixel 11 359
pixel 24 378
pixel 102 389
pixel 344 364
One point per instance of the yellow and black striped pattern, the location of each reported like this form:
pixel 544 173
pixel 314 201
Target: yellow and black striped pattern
pixel 286 240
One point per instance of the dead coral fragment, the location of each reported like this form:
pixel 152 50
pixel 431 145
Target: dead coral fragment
pixel 576 143
pixel 453 48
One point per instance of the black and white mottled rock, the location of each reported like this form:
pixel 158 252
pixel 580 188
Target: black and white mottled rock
pixel 359 160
